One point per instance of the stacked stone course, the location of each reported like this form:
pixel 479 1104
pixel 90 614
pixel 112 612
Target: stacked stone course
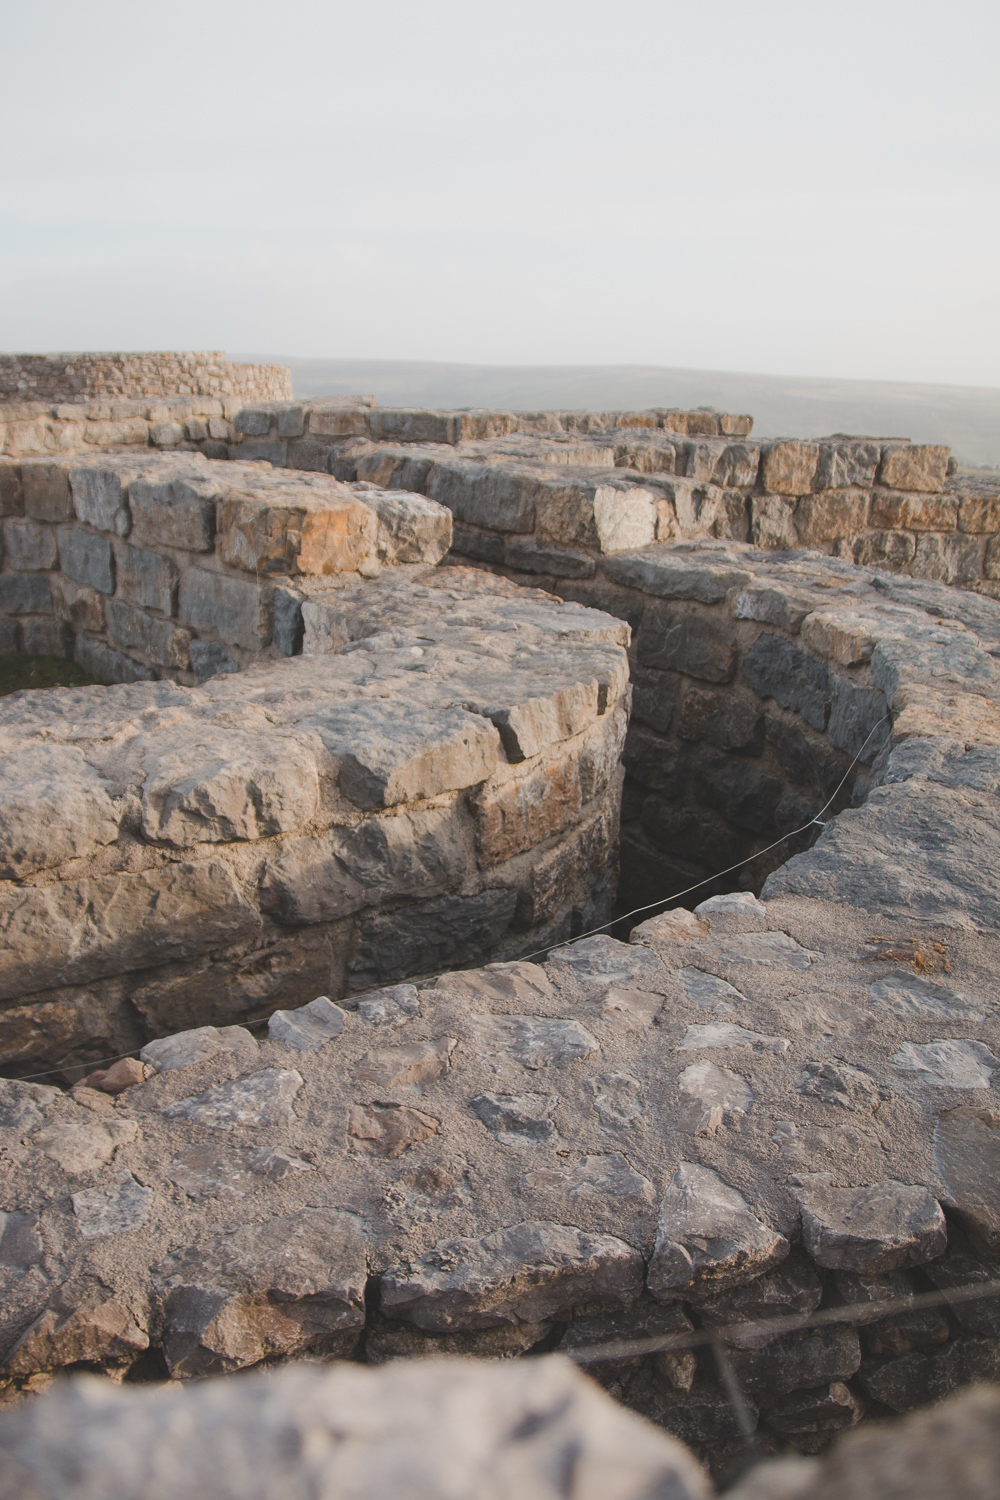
pixel 97 377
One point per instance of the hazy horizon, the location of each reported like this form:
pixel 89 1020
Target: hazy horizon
pixel 967 418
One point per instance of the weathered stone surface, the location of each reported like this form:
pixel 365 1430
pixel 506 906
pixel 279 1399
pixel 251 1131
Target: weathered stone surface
pixel 262 1098
pixel 145 579
pixel 95 1332
pixel 389 1129
pixel 222 786
pixel 446 1427
pixel 87 558
pixel 79 930
pixel 707 1236
pixel 406 1065
pixel 535 1042
pixel 391 1007
pixel 726 1034
pixel 309 1027
pixel 27 545
pixel 121 1206
pixel 712 1095
pixel 702 649
pixel 446 932
pixel 155 640
pixel 914 466
pixel 100 495
pixel 521 1274
pixel 25 594
pixel 187 1047
pixel 277 1287
pixel 47 494
pixel 776 669
pixel 55 807
pixel 241 612
pixel 517 1119
pixel 81 1143
pixel 174 511
pixel 967 1155
pixel 798 1360
pixel 869 1229
pixel 293 532
pixel 947 1064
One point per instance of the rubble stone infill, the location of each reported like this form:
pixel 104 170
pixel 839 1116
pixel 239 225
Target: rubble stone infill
pixel 87 377
pixel 750 1109
pixel 439 783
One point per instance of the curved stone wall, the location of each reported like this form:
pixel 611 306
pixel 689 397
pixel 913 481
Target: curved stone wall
pixel 88 377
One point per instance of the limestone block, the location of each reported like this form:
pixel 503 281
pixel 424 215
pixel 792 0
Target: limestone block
pixel 809 1359
pixel 309 1027
pixel 605 516
pixel 273 1288
pixel 45 638
pixel 290 533
pixel 789 467
pixel 80 930
pixel 896 511
pixel 318 879
pixel 713 1094
pixel 146 579
pixel 951 559
pixel 776 669
pixel 846 465
pixel 667 575
pixel 736 911
pixel 517 1119
pixel 967 1153
pixel 886 549
pixel 793 1288
pixel 53 806
pixel 396 752
pixel 174 510
pixel 157 641
pixel 80 606
pixel 520 814
pixel 772 522
pixel 707 1236
pixel 914 466
pixel 499 497
pixel 388 1130
pixel 947 1064
pixel 392 1007
pixel 557 562
pixel 433 935
pixel 701 1038
pixel 25 594
pixel 491 1428
pixel 87 558
pixel 106 665
pixel 28 546
pixel 722 719
pixel 186 1047
pixel 522 1274
pixel 830 515
pixel 411 529
pixel 114 1209
pixel 262 1098
pixel 240 611
pixel 11 488
pixel 338 420
pixel 859 720
pixel 404 1066
pixel 694 505
pixel 839 636
pixel 217 786
pixel 82 1143
pixel 100 495
pixel 700 648
pixel 211 659
pixel 869 1229
pixel 94 1332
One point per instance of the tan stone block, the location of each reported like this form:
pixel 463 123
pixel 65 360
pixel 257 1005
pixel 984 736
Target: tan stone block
pixel 839 636
pixel 886 549
pixel 949 559
pixel 80 606
pixel 789 468
pixel 522 813
pixel 930 713
pixel 772 523
pixel 915 466
pixel 991 566
pixel 914 512
pixel 830 515
pixel 339 421
pixel 979 515
pixel 133 432
pixel 301 536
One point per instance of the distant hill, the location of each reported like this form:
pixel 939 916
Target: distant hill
pixel 967 418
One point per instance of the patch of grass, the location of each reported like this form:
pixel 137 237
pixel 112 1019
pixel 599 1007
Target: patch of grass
pixel 17 672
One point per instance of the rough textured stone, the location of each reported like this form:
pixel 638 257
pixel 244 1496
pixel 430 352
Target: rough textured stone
pixel 707 1237
pixel 242 613
pixel 869 1230
pixel 263 1098
pixel 309 1027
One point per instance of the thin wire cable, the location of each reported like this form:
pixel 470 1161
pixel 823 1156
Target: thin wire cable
pixel 566 942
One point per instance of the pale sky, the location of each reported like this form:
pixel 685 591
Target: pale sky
pixel 800 188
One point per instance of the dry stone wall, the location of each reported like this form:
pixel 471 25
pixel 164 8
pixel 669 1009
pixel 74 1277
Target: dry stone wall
pixel 438 781
pixel 85 377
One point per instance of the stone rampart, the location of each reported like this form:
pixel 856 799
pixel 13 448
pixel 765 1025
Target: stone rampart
pixel 97 377
pixel 439 781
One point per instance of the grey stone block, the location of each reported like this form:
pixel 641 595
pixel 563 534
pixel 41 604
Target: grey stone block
pixel 558 562
pixel 776 669
pixel 472 541
pixel 46 638
pixel 47 494
pixel 500 498
pixel 432 935
pixel 156 640
pixel 146 579
pixel 28 545
pixel 737 789
pixel 209 659
pixel 858 715
pixel 87 558
pixel 686 643
pixel 289 627
pixel 100 498
pixel 177 512
pixel 253 421
pixel 272 451
pixel 869 1230
pixel 11 492
pixel 241 612
pixel 10 636
pixel 25 594
pixel 107 665
pixel 707 1233
pixel 844 465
